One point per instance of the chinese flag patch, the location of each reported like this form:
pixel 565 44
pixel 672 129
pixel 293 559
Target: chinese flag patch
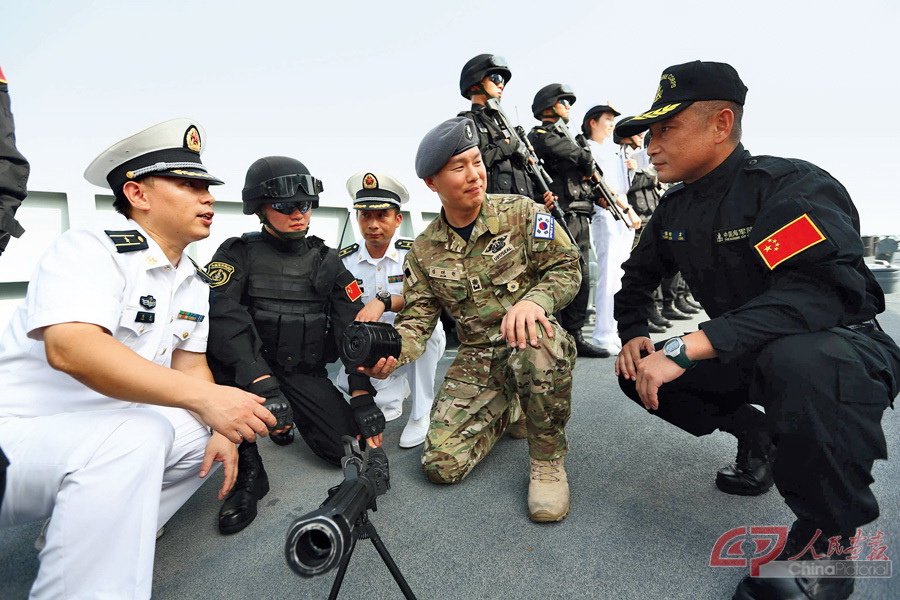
pixel 353 291
pixel 792 239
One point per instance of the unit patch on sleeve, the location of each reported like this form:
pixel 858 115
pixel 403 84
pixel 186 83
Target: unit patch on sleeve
pixel 219 273
pixel 792 239
pixel 353 291
pixel 127 241
pixel 543 226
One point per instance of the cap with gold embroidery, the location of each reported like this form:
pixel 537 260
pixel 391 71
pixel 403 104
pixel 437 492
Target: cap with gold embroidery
pixel 376 191
pixel 682 85
pixel 169 149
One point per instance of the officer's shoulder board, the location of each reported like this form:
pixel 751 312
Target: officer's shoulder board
pixel 773 166
pixel 403 244
pixel 201 273
pixel 127 241
pixel 348 250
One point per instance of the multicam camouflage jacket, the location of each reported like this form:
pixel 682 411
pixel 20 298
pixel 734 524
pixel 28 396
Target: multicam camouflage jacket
pixel 515 252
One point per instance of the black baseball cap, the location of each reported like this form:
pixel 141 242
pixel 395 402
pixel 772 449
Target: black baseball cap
pixel 682 85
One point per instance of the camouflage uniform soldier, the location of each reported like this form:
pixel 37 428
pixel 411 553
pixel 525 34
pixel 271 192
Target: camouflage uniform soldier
pixel 501 268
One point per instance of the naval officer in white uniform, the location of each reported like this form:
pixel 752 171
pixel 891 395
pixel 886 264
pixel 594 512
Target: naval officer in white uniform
pixel 106 391
pixel 376 260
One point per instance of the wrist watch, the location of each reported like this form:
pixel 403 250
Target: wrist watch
pixel 675 349
pixel 385 298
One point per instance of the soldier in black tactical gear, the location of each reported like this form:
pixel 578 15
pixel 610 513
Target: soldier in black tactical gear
pixel 504 155
pixel 13 172
pixel 281 302
pixel 571 167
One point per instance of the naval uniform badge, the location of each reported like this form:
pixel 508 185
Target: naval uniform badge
pixel 127 241
pixel 512 286
pixel 148 302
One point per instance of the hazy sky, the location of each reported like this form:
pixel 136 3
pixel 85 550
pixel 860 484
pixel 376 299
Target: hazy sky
pixel 350 86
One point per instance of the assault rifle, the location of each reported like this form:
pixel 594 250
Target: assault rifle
pixel 534 165
pixel 600 189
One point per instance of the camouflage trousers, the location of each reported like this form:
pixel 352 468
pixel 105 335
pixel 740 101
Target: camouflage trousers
pixel 478 399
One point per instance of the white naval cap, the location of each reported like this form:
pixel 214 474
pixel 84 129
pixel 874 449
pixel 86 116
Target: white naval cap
pixel 169 149
pixel 376 191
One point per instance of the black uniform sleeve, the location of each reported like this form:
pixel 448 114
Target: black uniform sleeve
pixel 14 171
pixel 344 298
pixel 233 339
pixel 647 265
pixel 494 148
pixel 557 149
pixel 819 287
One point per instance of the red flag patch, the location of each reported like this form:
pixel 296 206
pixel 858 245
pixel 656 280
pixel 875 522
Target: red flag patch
pixel 790 240
pixel 353 291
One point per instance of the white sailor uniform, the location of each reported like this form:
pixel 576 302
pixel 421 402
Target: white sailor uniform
pixel 110 473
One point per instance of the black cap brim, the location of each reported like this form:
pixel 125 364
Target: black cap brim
pixel 189 174
pixel 642 122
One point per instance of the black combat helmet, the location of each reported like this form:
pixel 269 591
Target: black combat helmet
pixel 549 95
pixel 278 179
pixel 480 67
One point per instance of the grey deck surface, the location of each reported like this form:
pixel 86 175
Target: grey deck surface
pixel 645 515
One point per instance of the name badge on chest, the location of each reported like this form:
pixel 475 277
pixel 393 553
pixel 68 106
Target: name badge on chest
pixel 673 235
pixel 442 273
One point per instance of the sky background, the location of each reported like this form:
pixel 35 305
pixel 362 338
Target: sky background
pixel 352 86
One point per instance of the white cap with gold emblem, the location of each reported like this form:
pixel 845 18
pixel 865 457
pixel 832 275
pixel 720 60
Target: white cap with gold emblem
pixel 376 191
pixel 169 149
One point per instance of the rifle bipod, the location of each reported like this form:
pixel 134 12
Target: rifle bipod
pixel 365 529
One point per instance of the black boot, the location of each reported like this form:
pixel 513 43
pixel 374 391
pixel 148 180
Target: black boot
pixel 798 588
pixel 587 349
pixel 751 472
pixel 654 328
pixel 657 319
pixel 684 307
pixel 689 300
pixel 670 312
pixel 239 508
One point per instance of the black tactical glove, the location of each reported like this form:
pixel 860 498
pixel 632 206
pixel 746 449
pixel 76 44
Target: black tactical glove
pixel 369 417
pixel 277 404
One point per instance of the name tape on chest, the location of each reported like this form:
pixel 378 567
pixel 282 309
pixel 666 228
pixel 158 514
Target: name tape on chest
pixel 732 235
pixel 792 239
pixel 442 273
pixel 673 235
pixel 544 226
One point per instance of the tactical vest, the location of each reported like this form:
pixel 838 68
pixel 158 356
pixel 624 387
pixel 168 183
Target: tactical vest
pixel 643 195
pixel 503 176
pixel 288 297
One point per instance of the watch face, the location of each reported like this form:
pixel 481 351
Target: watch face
pixel 671 347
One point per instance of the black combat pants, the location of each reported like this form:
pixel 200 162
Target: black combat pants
pixel 573 316
pixel 321 414
pixel 824 395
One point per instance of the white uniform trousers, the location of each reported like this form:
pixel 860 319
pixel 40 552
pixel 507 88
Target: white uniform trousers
pixel 418 378
pixel 612 243
pixel 109 479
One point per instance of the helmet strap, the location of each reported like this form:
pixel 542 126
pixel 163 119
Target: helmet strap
pixel 285 235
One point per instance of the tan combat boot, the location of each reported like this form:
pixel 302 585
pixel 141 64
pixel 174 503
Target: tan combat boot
pixel 548 491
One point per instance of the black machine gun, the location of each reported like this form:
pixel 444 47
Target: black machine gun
pixel 325 538
pixel 601 190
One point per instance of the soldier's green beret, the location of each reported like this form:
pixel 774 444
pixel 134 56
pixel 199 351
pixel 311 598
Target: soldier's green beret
pixel 448 139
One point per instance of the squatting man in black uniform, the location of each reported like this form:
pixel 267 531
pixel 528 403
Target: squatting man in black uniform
pixel 281 302
pixel 770 248
pixel 571 166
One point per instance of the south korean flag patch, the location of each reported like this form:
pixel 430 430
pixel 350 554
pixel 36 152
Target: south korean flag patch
pixel 543 226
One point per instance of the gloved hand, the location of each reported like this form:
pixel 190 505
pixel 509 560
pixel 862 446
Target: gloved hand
pixel 369 417
pixel 277 404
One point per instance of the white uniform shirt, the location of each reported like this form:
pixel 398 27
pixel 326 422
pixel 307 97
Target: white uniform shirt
pixel 611 162
pixel 83 278
pixel 378 274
